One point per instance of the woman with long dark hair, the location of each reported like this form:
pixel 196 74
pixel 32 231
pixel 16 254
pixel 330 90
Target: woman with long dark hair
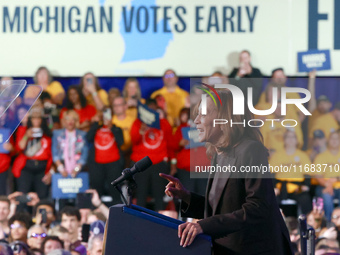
pixel 32 166
pixel 239 210
pixel 92 91
pixel 77 102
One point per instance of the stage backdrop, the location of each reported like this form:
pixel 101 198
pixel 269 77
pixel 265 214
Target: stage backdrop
pixel 144 37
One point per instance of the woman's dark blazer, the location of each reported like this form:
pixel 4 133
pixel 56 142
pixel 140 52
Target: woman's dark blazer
pixel 241 214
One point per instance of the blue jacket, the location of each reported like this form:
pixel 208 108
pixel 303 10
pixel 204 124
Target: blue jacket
pixel 58 146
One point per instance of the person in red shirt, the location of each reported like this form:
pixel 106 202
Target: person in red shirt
pixel 154 143
pixel 33 164
pixel 5 157
pixel 76 101
pixel 187 158
pixel 108 162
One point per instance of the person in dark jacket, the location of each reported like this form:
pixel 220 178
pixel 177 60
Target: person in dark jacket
pixel 108 161
pixel 246 76
pixel 239 211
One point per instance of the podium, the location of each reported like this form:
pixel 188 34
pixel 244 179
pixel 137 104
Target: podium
pixel 136 230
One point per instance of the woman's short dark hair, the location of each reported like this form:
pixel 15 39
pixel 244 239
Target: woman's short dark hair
pixel 69 104
pixel 53 238
pixel 70 211
pixel 22 217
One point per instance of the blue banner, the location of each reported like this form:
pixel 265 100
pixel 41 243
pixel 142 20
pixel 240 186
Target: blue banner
pixel 314 60
pixel 191 134
pixel 67 187
pixel 148 116
pixel 4 136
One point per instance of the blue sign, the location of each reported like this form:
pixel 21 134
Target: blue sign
pixel 148 116
pixel 4 136
pixel 314 60
pixel 67 187
pixel 191 134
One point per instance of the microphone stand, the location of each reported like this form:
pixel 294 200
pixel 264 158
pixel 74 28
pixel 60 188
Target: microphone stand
pixel 131 187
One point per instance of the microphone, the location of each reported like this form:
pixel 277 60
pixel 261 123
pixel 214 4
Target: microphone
pixel 138 167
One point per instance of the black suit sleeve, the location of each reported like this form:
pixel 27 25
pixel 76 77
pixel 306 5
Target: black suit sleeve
pixel 118 134
pixel 233 73
pixel 92 132
pixel 258 198
pixel 195 209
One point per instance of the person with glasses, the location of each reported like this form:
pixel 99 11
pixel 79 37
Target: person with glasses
pixel 175 97
pixel 19 224
pixel 36 235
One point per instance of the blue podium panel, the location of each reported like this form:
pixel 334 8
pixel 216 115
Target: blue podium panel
pixel 141 231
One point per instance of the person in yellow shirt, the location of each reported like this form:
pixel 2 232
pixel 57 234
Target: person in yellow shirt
pixel 44 79
pixel 329 177
pixel 273 132
pixel 278 78
pixel 294 184
pixel 94 94
pixel 132 94
pixel 292 110
pixel 175 97
pixel 323 107
pixel 328 122
pixel 124 121
pixel 319 144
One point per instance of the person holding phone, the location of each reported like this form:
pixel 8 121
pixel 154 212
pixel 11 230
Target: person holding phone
pixel 239 212
pixel 77 102
pixel 108 161
pixel 247 76
pixel 132 94
pixel 32 167
pixel 92 91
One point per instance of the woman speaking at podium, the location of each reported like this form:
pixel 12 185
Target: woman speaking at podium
pixel 239 212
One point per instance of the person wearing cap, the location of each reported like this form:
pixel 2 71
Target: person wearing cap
pixel 32 167
pixel 292 185
pixel 329 181
pixel 328 122
pixel 97 228
pixel 323 106
pixel 319 144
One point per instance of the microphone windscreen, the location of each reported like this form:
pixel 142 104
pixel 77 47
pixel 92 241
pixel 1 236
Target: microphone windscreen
pixel 143 164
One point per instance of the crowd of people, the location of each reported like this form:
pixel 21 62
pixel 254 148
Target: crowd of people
pixel 88 129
